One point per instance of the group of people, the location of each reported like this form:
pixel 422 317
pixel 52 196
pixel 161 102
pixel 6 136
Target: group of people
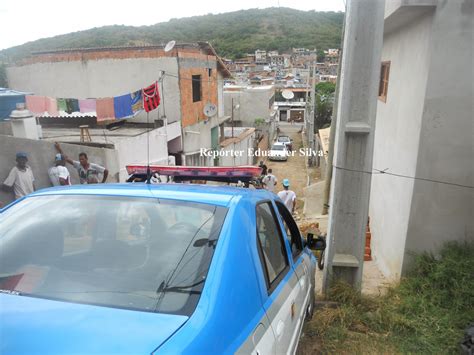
pixel 21 180
pixel 270 182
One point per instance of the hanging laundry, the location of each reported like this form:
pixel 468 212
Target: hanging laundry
pixel 72 105
pixel 137 102
pixel 151 97
pixel 123 106
pixel 87 105
pixel 105 109
pixel 61 105
pixel 52 107
pixel 36 104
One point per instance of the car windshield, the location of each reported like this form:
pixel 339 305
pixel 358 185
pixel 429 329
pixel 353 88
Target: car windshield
pixel 135 253
pixel 278 147
pixel 283 139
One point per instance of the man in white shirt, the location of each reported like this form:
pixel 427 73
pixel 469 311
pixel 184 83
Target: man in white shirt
pixel 20 179
pixel 270 181
pixel 88 172
pixel 58 174
pixel 288 196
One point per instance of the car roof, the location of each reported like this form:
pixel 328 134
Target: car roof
pixel 215 195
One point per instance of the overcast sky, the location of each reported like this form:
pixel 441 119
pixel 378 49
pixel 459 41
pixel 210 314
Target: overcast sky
pixel 22 21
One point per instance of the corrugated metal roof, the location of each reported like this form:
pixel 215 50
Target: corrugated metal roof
pixel 10 92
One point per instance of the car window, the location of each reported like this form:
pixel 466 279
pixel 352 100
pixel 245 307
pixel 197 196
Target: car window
pixel 292 231
pixel 136 253
pixel 271 246
pixel 278 147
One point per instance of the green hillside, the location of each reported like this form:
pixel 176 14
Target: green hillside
pixel 232 34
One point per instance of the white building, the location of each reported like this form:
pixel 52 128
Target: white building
pixel 250 104
pixel 193 78
pixel 260 56
pixel 424 129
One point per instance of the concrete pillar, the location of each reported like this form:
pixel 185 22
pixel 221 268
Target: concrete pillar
pixel 357 103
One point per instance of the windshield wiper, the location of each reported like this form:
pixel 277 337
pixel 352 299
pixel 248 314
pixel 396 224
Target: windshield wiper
pixel 180 289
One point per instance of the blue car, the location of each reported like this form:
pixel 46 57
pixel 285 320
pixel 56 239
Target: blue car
pixel 137 268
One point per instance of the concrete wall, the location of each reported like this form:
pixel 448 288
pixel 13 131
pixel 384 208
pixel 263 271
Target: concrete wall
pixel 254 103
pixel 198 136
pixel 424 129
pixel 244 145
pixel 440 212
pixel 133 150
pixel 101 78
pixel 397 133
pixel 41 158
pixel 220 95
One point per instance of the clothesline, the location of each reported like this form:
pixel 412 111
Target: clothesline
pixel 106 109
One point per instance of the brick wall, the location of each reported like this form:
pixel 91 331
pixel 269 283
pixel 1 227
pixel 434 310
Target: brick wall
pixel 192 112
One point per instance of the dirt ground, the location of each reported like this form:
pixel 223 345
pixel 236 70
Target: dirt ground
pixel 294 168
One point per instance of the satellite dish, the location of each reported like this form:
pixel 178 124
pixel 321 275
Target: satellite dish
pixel 170 45
pixel 210 110
pixel 287 94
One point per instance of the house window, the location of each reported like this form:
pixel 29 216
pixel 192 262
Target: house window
pixel 383 85
pixel 196 88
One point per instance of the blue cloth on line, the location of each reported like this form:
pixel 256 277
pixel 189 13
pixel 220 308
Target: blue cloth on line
pixel 123 106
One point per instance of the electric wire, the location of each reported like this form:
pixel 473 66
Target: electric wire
pixel 386 172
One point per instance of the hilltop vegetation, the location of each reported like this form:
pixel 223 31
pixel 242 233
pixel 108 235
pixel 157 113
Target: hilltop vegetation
pixel 233 34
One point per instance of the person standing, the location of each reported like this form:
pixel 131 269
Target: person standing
pixel 58 174
pixel 20 179
pixel 270 181
pixel 88 172
pixel 264 168
pixel 288 196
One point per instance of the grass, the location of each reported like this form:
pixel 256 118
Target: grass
pixel 426 313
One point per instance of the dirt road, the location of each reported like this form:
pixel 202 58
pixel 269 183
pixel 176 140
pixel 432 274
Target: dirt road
pixel 294 168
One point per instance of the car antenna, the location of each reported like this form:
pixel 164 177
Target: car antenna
pixel 148 171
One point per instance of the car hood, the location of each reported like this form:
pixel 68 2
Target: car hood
pixel 278 152
pixel 39 326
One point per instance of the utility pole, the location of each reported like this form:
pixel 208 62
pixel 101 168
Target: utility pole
pixel 357 104
pixel 312 114
pixel 332 138
pixel 232 117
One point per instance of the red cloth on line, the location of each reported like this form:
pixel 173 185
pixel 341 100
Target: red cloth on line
pixel 105 109
pixel 151 97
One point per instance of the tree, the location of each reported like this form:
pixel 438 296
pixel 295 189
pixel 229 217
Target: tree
pixel 321 56
pixel 324 103
pixel 3 76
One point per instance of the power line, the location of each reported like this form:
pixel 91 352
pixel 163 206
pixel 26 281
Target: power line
pixel 385 171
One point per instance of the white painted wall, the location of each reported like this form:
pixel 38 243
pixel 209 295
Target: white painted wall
pixel 244 145
pixel 441 213
pixel 133 150
pixel 424 129
pixel 198 136
pixel 397 133
pixel 101 78
pixel 220 94
pixel 253 102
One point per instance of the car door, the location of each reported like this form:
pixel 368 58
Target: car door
pixel 301 264
pixel 281 279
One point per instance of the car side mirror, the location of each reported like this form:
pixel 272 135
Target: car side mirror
pixel 318 243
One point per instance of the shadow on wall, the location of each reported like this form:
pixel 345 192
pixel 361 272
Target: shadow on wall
pixel 41 158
